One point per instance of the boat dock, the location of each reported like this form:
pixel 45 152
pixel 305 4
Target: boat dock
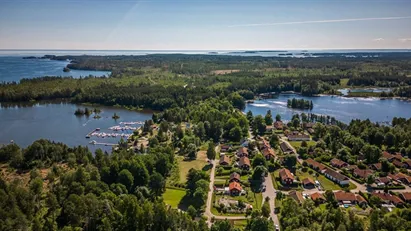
pixel 105 144
pixel 89 134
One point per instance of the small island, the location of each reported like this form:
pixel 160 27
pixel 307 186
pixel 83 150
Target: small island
pixel 66 69
pixel 115 116
pixel 87 112
pixel 300 104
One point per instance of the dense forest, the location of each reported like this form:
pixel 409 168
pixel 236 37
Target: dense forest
pixel 163 81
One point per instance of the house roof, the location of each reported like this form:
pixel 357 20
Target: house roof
pixel 235 185
pixel 345 196
pixel 377 166
pixel 286 174
pixel 337 162
pixel 268 152
pixel 363 173
pixel 317 196
pixel 397 156
pixel 224 159
pixel 388 197
pixel 384 180
pixel 308 181
pixel 335 174
pixel 400 176
pixel 285 148
pixel 235 175
pixel 352 167
pixel 269 127
pixel 308 125
pixel 278 124
pixel 360 199
pixel 406 195
pixel 386 155
pixel 242 150
pixel 407 162
pixel 297 195
pixel 315 164
pixel 244 161
pixel 397 163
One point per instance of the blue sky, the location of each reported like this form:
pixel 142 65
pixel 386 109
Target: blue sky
pixel 204 25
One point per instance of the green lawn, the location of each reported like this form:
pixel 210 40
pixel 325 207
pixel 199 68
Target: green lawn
pixel 327 184
pixel 344 82
pixel 240 224
pixel 185 166
pixel 256 202
pixel 297 144
pixel 173 197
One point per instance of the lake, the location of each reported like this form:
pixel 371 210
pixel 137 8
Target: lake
pixel 57 122
pixel 14 68
pixel 342 108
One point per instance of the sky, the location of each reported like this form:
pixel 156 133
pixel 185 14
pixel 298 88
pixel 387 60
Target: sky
pixel 205 24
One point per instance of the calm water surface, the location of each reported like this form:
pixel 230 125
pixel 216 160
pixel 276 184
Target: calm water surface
pixel 57 122
pixel 342 108
pixel 14 68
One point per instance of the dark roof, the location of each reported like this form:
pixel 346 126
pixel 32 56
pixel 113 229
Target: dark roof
pixel 377 166
pixel 398 163
pixel 224 159
pixel 335 174
pixel 384 180
pixel 235 175
pixel 286 174
pixel 285 147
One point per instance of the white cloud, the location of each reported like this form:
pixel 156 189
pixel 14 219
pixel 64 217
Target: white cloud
pixel 320 21
pixel 405 40
pixel 378 39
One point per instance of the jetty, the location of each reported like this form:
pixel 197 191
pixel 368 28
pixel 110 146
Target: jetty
pixel 102 143
pixel 89 134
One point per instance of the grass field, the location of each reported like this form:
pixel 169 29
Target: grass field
pixel 344 82
pixel 173 196
pixel 297 144
pixel 185 166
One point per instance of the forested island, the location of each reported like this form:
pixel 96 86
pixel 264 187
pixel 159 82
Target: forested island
pixel 300 103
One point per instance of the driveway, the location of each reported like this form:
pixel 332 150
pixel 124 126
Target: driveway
pixel 271 193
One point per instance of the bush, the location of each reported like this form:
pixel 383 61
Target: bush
pixel 310 172
pixel 304 169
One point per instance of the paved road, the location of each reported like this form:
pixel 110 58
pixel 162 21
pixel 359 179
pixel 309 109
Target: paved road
pixel 270 193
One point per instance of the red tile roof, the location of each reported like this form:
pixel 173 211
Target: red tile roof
pixel 315 164
pixel 338 163
pixel 268 152
pixel 398 163
pixel 377 166
pixel 388 197
pixel 235 185
pixel 285 174
pixel 345 196
pixel 360 199
pixel 244 161
pixel 317 196
pixel 242 151
pixel 224 159
pixel 297 195
pixel 406 196
pixel 363 173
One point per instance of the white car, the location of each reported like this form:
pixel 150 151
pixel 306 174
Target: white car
pixel 277 228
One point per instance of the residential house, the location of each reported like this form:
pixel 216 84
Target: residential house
pixel 297 196
pixel 406 196
pixel 285 148
pixel 351 168
pixel 308 125
pixel 383 181
pixel 310 130
pixel 338 163
pixel 376 167
pixel 235 188
pixel 308 183
pixel 301 137
pixel 398 164
pixel 242 152
pixel 225 148
pixel 286 177
pixel 336 177
pixel 224 160
pixel 278 125
pixel 264 144
pixel 361 201
pixel 244 163
pixel 401 177
pixel 388 198
pixel 362 173
pixel 268 153
pixel 315 165
pixel 318 198
pixel 235 177
pixel 391 157
pixel 346 198
pixel 269 128
pixel 397 156
pixel 407 163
